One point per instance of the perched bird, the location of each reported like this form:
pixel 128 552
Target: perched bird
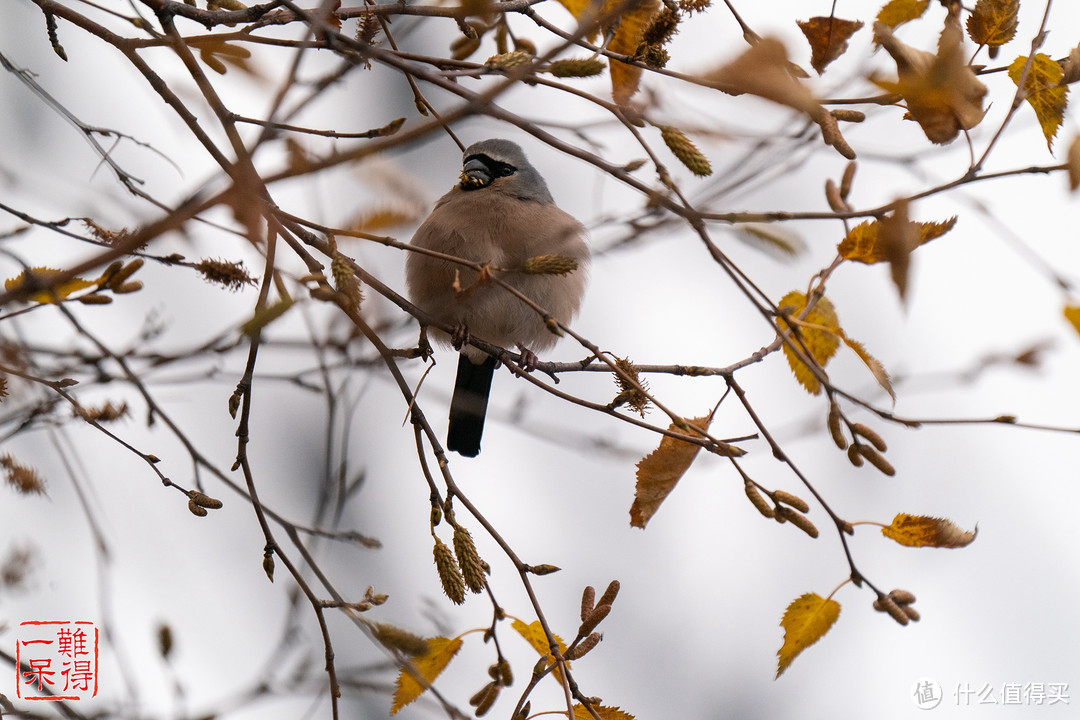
pixel 500 213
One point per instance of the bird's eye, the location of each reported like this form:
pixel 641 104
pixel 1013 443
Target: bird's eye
pixel 503 169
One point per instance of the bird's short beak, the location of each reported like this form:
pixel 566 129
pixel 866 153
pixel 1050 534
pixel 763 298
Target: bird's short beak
pixel 475 174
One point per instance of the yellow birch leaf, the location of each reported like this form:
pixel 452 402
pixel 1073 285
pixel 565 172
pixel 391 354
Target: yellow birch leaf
pixel 440 652
pixel 820 332
pixel 875 366
pixel 805 621
pixel 925 531
pixel 898 12
pixel 861 243
pixel 534 634
pixel 605 713
pixel 828 38
pixel 1045 94
pixel 625 78
pixel 993 22
pixel 659 472
pixel 1072 314
pixel 941 90
pixel 41 276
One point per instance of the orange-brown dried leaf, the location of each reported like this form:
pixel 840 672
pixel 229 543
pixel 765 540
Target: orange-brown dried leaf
pixel 820 332
pixel 631 25
pixel 440 652
pixel 1045 94
pixel 534 634
pixel 941 90
pixel 605 713
pixel 764 70
pixel 828 38
pixel 993 22
pixel 862 244
pixel 898 12
pixel 625 78
pixel 660 471
pixel 897 239
pixel 874 365
pixel 925 531
pixel 41 276
pixel 805 621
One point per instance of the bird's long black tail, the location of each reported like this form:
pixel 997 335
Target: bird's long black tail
pixel 469 405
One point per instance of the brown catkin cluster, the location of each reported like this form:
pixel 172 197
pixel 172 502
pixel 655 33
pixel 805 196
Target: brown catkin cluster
pixel 230 275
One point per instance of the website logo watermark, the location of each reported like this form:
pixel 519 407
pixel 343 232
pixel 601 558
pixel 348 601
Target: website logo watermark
pixel 927 694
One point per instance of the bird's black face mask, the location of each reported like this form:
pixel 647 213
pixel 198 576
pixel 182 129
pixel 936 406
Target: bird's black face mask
pixel 480 171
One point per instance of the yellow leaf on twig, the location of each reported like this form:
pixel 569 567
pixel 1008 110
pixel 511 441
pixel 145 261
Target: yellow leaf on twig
pixel 633 17
pixel 659 472
pixel 925 531
pixel 898 12
pixel 605 713
pixel 534 633
pixel 861 243
pixel 820 332
pixel 40 276
pixel 805 621
pixel 993 22
pixel 440 652
pixel 1044 92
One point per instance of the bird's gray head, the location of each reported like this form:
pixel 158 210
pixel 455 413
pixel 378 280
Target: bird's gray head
pixel 501 164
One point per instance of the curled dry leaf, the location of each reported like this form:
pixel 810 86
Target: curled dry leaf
pixel 764 70
pixel 828 38
pixel 941 90
pixel 926 531
pixel 660 471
